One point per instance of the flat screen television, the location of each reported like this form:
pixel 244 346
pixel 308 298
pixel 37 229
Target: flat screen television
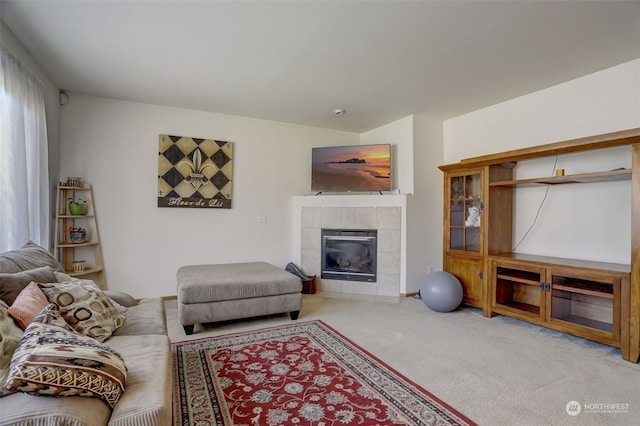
pixel 351 168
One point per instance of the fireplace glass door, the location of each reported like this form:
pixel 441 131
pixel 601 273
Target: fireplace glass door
pixel 349 254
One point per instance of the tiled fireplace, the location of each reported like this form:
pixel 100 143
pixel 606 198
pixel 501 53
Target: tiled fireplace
pixel 386 222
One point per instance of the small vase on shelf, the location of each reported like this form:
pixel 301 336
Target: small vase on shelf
pixel 78 235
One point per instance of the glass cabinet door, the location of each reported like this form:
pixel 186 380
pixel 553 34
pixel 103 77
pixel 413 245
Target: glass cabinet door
pixel 584 302
pixel 465 211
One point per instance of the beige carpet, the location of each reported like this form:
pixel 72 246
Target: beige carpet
pixel 496 371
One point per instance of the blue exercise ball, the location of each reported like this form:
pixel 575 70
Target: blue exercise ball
pixel 441 292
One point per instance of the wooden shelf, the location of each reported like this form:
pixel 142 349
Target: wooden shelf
pixel 519 275
pixel 587 322
pixel 76 245
pixel 608 176
pixel 542 261
pixel 589 143
pixel 519 278
pixel 586 290
pixel 87 271
pixel 75 188
pixel 89 251
pixel 526 307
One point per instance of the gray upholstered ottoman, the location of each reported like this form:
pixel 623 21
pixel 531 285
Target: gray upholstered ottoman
pixel 210 293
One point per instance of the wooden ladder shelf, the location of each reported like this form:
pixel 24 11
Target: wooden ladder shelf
pixel 80 255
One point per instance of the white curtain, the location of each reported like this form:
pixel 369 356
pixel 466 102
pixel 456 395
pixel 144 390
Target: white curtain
pixel 24 171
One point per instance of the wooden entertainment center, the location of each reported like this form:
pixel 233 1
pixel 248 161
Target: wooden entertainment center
pixel 595 300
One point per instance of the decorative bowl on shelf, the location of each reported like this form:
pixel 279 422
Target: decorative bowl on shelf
pixel 78 265
pixel 78 235
pixel 77 208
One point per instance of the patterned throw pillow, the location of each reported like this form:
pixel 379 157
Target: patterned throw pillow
pixel 61 277
pixel 85 307
pixel 28 304
pixel 52 359
pixel 10 335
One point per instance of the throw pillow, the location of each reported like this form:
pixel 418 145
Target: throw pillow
pixel 11 284
pixel 61 277
pixel 28 256
pixel 28 304
pixel 85 308
pixel 121 298
pixel 52 359
pixel 10 335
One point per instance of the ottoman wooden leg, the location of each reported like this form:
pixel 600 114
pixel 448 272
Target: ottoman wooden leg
pixel 294 314
pixel 188 329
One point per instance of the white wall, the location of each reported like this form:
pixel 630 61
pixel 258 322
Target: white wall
pixel 114 146
pixel 418 152
pixel 587 221
pixel 602 102
pixel 424 207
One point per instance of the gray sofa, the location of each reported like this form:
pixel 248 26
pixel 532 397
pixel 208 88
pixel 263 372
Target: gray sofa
pixel 142 342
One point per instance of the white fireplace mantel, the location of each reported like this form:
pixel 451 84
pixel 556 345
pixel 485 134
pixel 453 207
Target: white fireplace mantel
pixel 387 213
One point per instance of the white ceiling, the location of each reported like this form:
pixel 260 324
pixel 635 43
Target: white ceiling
pixel 295 61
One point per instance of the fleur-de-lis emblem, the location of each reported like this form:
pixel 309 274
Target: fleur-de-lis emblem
pixel 196 178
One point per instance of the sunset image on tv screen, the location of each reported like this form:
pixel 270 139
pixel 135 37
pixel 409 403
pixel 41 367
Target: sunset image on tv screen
pixel 351 168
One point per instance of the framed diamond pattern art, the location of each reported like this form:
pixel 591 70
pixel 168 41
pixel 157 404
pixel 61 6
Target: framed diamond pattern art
pixel 194 172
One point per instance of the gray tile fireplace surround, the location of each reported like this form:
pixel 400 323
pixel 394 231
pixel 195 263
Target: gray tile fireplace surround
pixel 386 220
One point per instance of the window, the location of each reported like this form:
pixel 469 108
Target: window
pixel 24 176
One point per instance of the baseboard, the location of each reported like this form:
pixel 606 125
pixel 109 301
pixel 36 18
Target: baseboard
pixel 401 295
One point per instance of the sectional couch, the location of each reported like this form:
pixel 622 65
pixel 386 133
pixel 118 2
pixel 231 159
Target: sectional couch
pixel 139 346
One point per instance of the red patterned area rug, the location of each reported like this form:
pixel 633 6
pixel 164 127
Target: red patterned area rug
pixel 300 374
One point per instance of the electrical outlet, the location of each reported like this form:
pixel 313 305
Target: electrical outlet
pixel 262 219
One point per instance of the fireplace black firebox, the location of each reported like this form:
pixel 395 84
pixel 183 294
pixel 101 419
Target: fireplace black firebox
pixel 349 254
